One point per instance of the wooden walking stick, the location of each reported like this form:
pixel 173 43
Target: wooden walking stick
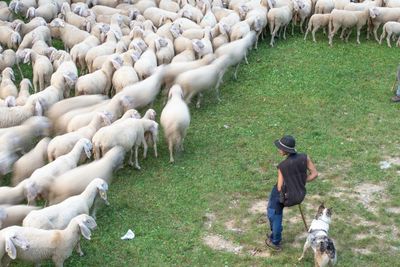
pixel 392 89
pixel 302 216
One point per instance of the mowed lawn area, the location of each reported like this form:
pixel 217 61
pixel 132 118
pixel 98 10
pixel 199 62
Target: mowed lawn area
pixel 335 101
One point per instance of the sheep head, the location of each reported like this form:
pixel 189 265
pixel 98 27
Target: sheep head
pixel 87 146
pixel 85 223
pixel 243 9
pixel 8 73
pixel 65 8
pixel 13 240
pixel 57 23
pixel 102 188
pixel 198 45
pixel 10 101
pixel 176 29
pixel 15 39
pixel 160 42
pixel 175 90
pixel 150 114
pixel 374 12
pixel 30 13
pixel 106 117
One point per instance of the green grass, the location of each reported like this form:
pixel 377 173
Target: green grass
pixel 335 101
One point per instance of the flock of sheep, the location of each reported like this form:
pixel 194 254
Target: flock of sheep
pixel 127 53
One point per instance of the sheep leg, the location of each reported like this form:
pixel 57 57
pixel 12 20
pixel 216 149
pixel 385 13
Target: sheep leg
pixel 136 157
pixel 398 42
pixel 388 40
pixel 79 249
pixel 301 25
pixel 144 148
pixel 382 36
pixel 284 32
pixel 171 152
pixel 199 96
pixel 130 162
pixel 35 83
pixel 348 35
pixel 313 33
pixel 235 73
pixel 155 145
pixel 331 34
pixel 376 32
pixel 96 152
pixel 245 59
pixel 342 33
pixel 20 71
pixel 358 36
pixel 41 83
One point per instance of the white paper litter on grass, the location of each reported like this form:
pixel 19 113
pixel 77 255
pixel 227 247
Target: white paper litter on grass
pixel 385 165
pixel 129 235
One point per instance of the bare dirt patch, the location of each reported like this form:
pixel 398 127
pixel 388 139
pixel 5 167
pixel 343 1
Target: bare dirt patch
pixel 231 226
pixel 389 162
pixel 362 251
pixel 209 219
pixel 218 242
pixel 260 206
pixel 367 193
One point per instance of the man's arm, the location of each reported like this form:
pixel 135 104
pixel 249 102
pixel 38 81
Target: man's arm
pixel 280 181
pixel 311 168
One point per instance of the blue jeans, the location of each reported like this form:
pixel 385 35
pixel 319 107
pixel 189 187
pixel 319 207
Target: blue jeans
pixel 275 215
pixel 398 90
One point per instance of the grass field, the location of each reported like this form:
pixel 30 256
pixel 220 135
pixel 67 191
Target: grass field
pixel 335 101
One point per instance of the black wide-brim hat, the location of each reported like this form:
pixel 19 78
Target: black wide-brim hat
pixel 287 144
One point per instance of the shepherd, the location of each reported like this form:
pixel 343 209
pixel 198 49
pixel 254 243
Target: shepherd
pixel 293 174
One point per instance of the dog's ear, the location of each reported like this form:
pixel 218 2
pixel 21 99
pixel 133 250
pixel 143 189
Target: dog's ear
pixel 329 212
pixel 320 210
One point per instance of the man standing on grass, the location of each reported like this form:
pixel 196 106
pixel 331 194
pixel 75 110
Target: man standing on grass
pixel 293 173
pixel 396 98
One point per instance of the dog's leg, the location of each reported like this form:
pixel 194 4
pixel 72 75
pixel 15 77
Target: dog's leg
pixel 307 244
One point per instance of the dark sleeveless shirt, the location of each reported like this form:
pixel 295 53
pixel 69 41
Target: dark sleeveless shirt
pixel 294 170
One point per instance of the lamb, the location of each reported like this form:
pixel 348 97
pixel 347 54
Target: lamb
pixel 107 48
pixel 14 215
pixel 51 218
pixel 41 179
pixel 236 51
pixel 9 38
pixel 186 24
pixel 76 180
pixel 193 82
pixel 126 74
pixel 28 163
pixel 304 12
pixel 190 12
pixel 324 6
pixel 363 6
pixel 13 195
pixel 390 28
pixel 78 52
pixel 7 86
pixel 277 18
pixel 62 107
pixel 204 46
pixel 42 69
pixel 48 11
pixel 21 6
pixel 8 102
pixel 39 33
pixel 16 115
pixel 184 56
pixel 70 17
pixel 144 93
pixel 70 35
pixel 115 107
pixel 164 50
pixel 98 82
pixel 130 135
pixel 220 35
pixel 9 240
pixel 175 120
pixel 56 245
pixel 169 5
pixel 65 67
pixel 159 16
pixel 24 28
pixel 23 94
pixel 391 3
pixel 6 14
pixel 63 144
pixel 56 91
pixel 8 58
pixel 346 20
pixel 381 15
pixel 317 21
pixel 146 64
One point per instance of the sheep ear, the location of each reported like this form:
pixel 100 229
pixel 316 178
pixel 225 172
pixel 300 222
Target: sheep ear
pixel 18 26
pixel 117 63
pixel 161 21
pixel 85 231
pixel 30 12
pixel 12 75
pixel 105 119
pixel 27 56
pixel 10 101
pixel 135 56
pixel 88 26
pixel 10 248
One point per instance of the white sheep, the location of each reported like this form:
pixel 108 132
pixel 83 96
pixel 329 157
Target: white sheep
pixel 70 35
pixel 220 35
pixel 63 144
pixel 8 58
pixel 114 107
pixel 7 86
pixel 56 245
pixel 9 241
pixel 42 69
pixel 381 15
pixel 236 51
pixel 28 163
pixel 13 195
pixel 324 6
pixel 64 106
pixel 75 181
pixel 39 33
pixel 21 6
pixel 23 94
pixel 78 52
pixel 10 101
pixel 146 64
pixel 14 215
pixel 346 20
pixel 159 16
pixel 51 218
pixel 98 82
pixel 169 5
pixel 9 38
pixel 193 82
pixel 317 21
pixel 126 74
pixel 107 48
pixel 74 19
pixel 175 120
pixel 48 11
pixel 390 28
pixel 16 115
pixel 164 50
pixel 392 3
pixel 24 28
pixel 130 136
pixel 280 17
